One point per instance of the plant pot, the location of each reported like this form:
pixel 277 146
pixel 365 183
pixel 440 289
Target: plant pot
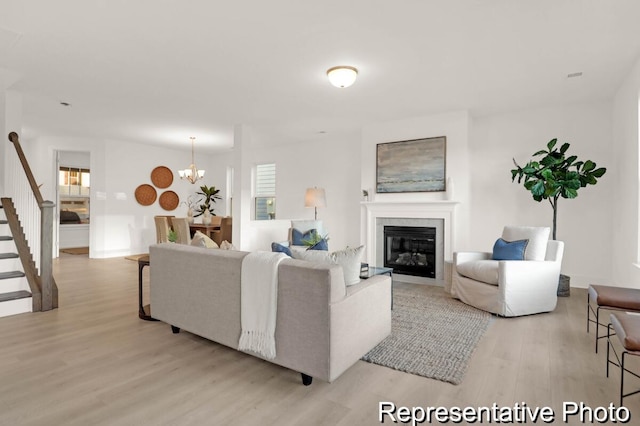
pixel 564 288
pixel 206 218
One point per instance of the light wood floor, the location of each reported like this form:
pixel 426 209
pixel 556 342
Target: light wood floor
pixel 93 362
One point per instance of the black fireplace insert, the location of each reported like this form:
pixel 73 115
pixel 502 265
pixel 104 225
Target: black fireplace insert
pixel 410 250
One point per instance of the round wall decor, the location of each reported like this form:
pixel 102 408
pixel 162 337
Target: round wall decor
pixel 145 194
pixel 169 200
pixel 162 177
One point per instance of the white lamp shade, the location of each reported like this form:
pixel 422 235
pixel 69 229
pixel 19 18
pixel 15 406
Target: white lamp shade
pixel 342 76
pixel 315 197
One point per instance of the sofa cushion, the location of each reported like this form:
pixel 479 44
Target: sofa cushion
pixel 279 248
pixel 201 240
pixel 348 258
pixel 485 271
pixel 537 236
pixel 509 250
pixel 299 237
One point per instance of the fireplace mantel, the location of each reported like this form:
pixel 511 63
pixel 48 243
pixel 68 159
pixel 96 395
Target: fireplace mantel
pixel 436 209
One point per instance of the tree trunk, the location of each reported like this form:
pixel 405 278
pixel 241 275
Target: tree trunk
pixel 555 216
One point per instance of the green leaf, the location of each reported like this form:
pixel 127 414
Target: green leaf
pixel 588 166
pixel 569 160
pixel 591 179
pixel 564 148
pixel 599 172
pixel 548 161
pixel 538 188
pixel 551 144
pixel 572 184
pixel 572 175
pixel 547 174
pixel 569 193
pixel 540 152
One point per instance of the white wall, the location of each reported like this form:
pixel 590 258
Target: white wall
pixel 584 223
pixel 331 162
pixel 119 225
pixel 625 214
pixel 455 126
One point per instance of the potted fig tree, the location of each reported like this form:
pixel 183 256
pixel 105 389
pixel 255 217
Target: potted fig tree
pixel 552 175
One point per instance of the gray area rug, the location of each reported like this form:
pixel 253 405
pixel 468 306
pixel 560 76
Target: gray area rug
pixel 432 335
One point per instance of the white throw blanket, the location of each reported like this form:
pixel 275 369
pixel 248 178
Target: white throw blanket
pixel 259 302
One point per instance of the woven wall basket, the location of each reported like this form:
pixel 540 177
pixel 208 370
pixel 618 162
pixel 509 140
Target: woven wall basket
pixel 146 194
pixel 162 177
pixel 169 200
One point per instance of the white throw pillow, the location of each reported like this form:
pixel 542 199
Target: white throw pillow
pixel 201 240
pixel 348 258
pixel 226 245
pixel 537 236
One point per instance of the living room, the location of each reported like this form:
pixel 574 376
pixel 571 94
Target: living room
pixel 326 137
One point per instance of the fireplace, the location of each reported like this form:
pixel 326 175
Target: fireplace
pixel 410 250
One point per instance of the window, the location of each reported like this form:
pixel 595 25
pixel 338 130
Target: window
pixel 265 192
pixel 73 187
pixel 74 182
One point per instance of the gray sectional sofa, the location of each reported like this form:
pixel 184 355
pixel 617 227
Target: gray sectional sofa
pixel 322 327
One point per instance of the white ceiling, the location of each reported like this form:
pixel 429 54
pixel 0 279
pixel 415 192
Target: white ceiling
pixel 159 71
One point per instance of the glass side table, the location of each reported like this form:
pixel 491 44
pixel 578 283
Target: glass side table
pixel 373 271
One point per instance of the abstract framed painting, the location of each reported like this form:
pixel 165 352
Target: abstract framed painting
pixel 416 165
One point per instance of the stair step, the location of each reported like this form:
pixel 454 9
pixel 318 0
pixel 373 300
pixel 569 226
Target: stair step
pixel 6 238
pixel 9 255
pixel 14 295
pixel 11 274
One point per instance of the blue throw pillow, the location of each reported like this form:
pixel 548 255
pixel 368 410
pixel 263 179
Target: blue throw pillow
pixel 509 250
pixel 298 237
pixel 279 248
pixel 320 245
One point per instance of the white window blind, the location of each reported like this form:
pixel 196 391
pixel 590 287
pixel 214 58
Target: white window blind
pixel 265 192
pixel 265 180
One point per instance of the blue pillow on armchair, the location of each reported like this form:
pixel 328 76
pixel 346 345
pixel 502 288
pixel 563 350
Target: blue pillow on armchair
pixel 298 237
pixel 509 250
pixel 320 245
pixel 279 248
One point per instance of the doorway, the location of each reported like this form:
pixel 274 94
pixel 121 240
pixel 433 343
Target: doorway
pixel 73 198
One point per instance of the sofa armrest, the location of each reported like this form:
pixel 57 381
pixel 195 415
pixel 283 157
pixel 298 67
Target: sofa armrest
pixel 528 287
pixel 529 274
pixel 359 322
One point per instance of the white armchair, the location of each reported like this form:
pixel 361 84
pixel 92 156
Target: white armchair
pixel 511 287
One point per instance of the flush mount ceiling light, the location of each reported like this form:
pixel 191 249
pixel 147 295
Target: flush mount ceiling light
pixel 342 76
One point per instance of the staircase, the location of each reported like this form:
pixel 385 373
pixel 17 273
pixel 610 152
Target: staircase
pixel 15 297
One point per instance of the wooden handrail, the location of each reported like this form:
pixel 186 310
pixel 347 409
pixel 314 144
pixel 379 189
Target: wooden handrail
pixel 46 295
pixel 13 137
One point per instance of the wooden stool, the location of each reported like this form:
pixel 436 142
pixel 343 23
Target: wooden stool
pixel 627 329
pixel 610 298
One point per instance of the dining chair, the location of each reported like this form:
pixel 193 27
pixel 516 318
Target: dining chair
pixel 162 229
pixel 181 228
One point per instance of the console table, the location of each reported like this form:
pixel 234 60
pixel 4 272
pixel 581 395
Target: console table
pixel 144 312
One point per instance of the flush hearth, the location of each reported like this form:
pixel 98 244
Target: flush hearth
pixel 410 250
